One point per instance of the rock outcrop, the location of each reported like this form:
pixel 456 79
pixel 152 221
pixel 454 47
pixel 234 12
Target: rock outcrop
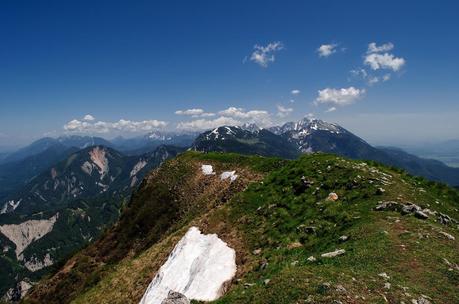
pixel 23 234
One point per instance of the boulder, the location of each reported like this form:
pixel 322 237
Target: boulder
pixel 332 197
pixel 333 254
pixel 421 215
pixel 343 238
pixel 387 206
pixel 447 235
pixel 174 297
pixel 410 208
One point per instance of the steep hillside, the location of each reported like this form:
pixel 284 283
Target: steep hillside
pixel 15 175
pixel 66 207
pixel 320 229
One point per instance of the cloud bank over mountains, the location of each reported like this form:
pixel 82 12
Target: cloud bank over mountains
pixel 378 66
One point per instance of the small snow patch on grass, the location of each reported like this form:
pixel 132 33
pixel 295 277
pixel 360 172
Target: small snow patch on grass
pixel 207 170
pixel 229 175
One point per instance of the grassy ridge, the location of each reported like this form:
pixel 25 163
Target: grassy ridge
pixel 411 251
pixel 276 216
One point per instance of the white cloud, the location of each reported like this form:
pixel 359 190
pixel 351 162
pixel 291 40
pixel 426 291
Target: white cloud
pixel 88 117
pixel 332 109
pixel 326 50
pixel 386 77
pixel 384 61
pixel 263 55
pixel 122 125
pixel 359 73
pixel 373 80
pixel 206 124
pixel 259 117
pixel 283 111
pixel 339 97
pixel 295 92
pixel 194 113
pixel 373 48
pixel 189 112
pixel 229 116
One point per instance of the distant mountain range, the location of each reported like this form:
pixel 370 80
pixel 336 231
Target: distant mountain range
pixel 313 135
pixel 58 194
pixel 146 143
pixel 63 142
pixel 445 151
pixel 66 206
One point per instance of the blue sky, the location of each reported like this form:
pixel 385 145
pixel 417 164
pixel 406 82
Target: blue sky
pixel 141 62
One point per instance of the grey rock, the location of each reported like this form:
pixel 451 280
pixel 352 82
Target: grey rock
pixel 387 206
pixel 312 259
pixel 333 254
pixel 343 238
pixel 174 297
pixel 410 208
pixel 421 215
pixel 307 229
pixel 421 300
pixel 446 219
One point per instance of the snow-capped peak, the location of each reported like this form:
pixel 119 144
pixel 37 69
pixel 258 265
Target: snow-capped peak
pixel 158 136
pixel 251 127
pixel 221 132
pixel 306 126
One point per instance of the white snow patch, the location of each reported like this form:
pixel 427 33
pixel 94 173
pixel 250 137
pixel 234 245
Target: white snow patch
pixel 207 170
pixel 139 166
pixel 198 267
pixel 228 174
pixel 23 234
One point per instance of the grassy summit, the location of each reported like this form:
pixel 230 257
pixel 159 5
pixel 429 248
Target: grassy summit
pixel 280 217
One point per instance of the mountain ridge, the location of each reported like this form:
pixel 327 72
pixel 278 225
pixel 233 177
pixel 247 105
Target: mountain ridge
pixel 314 135
pixel 311 229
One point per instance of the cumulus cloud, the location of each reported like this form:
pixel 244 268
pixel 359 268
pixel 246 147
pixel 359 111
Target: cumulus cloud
pixel 326 50
pixel 88 117
pixel 83 126
pixel 369 77
pixel 384 61
pixel 283 111
pixel 359 73
pixel 264 55
pixel 295 92
pixel 260 117
pixel 373 80
pixel 194 113
pixel 206 124
pixel 339 97
pixel 230 116
pixel 373 48
pixel 332 109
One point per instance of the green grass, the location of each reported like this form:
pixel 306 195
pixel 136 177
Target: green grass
pixel 271 214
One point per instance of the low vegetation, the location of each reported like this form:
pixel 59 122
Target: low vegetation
pixel 281 217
